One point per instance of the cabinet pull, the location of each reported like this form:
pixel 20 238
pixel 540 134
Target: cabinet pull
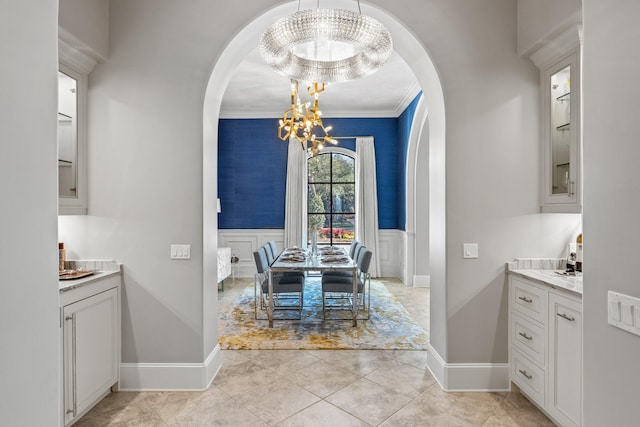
pixel 525 336
pixel 525 299
pixel 564 316
pixel 527 376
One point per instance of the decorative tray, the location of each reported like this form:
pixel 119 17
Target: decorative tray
pixel 73 274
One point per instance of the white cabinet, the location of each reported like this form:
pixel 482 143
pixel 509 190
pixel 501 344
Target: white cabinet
pixel 559 63
pixel 565 367
pixel 224 264
pixel 545 347
pixel 90 338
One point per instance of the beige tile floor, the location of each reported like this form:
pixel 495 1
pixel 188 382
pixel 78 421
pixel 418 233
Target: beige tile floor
pixel 292 388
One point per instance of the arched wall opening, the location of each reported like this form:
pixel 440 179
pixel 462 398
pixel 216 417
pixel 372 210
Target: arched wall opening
pixel 418 59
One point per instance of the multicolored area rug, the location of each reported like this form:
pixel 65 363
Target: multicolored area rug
pixel 390 326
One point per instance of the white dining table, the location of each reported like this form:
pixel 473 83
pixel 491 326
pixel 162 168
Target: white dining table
pixel 313 263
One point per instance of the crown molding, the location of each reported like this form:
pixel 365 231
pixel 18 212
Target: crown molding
pixel 556 49
pixel 74 53
pixel 408 97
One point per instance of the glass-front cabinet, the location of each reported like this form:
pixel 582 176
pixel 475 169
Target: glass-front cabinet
pixel 561 183
pixel 71 141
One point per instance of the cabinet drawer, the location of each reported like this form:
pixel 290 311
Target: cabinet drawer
pixel 528 376
pixel 528 338
pixel 529 299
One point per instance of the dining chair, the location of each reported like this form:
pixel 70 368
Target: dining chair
pixel 336 288
pixel 355 255
pixel 271 246
pixel 285 288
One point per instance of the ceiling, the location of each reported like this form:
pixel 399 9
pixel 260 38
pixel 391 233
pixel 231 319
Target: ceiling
pixel 258 91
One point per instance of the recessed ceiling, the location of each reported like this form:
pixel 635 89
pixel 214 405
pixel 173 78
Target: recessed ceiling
pixel 257 91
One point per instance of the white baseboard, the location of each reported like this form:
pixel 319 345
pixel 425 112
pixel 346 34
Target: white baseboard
pixel 170 376
pixel 421 281
pixel 468 376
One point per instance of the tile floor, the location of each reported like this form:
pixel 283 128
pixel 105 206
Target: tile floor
pixel 291 388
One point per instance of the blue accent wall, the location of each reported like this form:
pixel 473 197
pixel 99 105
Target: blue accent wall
pixel 252 167
pixel 252 171
pixel 404 131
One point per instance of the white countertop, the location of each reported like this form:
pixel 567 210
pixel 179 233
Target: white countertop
pixel 67 285
pixel 553 278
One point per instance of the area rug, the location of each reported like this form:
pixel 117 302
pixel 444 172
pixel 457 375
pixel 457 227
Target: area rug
pixel 390 326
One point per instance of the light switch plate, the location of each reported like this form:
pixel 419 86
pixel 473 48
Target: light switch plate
pixel 180 251
pixel 470 250
pixel 624 312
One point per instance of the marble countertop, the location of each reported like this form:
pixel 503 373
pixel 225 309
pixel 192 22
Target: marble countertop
pixel 67 285
pixel 100 268
pixel 547 271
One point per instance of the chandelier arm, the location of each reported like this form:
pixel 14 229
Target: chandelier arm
pixel 359 10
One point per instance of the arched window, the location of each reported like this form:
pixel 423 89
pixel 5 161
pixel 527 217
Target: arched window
pixel 331 197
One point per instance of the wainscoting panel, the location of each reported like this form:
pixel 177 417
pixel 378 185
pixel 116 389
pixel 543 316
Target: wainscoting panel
pixel 244 242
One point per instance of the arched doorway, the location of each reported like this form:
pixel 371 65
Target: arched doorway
pixel 418 59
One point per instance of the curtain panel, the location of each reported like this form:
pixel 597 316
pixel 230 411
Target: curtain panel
pixel 295 214
pixel 367 200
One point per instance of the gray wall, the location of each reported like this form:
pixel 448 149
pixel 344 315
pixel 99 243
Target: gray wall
pixel 611 207
pixel 28 181
pixel 145 168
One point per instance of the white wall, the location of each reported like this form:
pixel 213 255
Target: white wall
pixel 611 207
pixel 541 20
pixel 85 23
pixel 493 166
pixel 146 169
pixel 30 356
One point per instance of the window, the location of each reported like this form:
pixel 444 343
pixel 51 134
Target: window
pixel 331 197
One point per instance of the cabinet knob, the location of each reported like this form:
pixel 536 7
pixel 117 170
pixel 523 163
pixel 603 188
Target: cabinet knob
pixel 525 299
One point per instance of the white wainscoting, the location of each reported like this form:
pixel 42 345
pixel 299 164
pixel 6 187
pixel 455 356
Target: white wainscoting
pixel 244 242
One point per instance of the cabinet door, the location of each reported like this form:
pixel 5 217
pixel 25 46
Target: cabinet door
pixel 565 367
pixel 90 351
pixel 562 140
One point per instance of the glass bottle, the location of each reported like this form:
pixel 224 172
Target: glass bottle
pixel 579 253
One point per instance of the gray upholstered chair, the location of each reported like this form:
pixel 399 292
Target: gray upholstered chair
pixel 286 289
pixel 355 252
pixel 272 248
pixel 340 288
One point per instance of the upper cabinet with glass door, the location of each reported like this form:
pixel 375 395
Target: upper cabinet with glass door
pixel 71 142
pixel 561 183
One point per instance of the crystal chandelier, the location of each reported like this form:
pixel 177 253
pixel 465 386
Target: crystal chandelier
pixel 300 120
pixel 326 45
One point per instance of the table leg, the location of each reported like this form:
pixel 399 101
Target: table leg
pixel 355 298
pixel 270 308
